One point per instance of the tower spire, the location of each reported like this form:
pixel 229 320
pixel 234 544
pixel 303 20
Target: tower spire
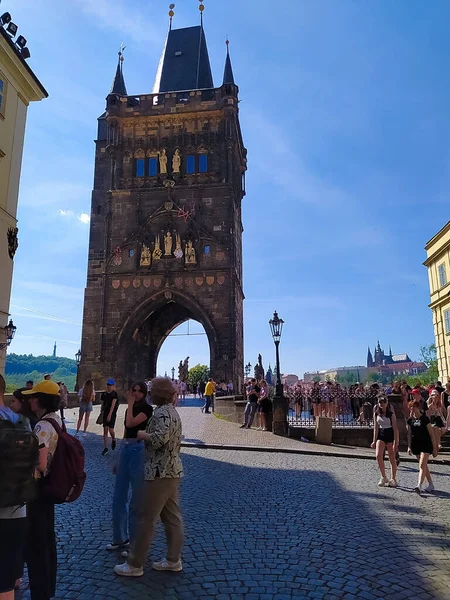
pixel 228 76
pixel 118 86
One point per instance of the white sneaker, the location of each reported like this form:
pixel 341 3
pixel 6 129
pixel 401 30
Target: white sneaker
pixel 430 488
pixel 392 483
pixel 165 565
pixel 417 489
pixel 84 434
pixel 126 570
pixel 113 546
pixel 383 481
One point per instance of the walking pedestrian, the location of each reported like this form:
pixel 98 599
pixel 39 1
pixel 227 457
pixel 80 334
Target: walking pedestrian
pixel 421 443
pixel 64 397
pixel 163 471
pixel 129 470
pixel 86 397
pixel 209 396
pixel 201 389
pixel 445 396
pixel 110 404
pixel 253 392
pixel 437 416
pixel 41 556
pixel 385 437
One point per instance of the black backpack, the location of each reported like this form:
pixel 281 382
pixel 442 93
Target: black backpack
pixel 19 456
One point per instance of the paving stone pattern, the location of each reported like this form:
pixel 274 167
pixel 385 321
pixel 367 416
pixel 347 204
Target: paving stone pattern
pixel 270 526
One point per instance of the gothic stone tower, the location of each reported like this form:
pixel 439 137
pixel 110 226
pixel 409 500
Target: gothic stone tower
pixel 166 232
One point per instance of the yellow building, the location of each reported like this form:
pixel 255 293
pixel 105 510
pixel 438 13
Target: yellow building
pixel 438 264
pixel 18 87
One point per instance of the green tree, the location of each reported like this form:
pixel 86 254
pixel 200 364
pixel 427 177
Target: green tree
pixel 374 378
pixel 197 374
pixel 428 354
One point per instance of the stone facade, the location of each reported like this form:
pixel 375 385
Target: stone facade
pixel 165 246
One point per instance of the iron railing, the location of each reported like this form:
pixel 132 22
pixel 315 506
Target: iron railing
pixel 344 420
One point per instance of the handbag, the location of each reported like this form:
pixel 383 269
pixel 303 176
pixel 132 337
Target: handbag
pixel 99 420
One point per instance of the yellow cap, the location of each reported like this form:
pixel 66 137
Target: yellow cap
pixel 43 387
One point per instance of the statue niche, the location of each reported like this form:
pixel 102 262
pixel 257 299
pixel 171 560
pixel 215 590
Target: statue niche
pixel 189 253
pixel 168 244
pixel 163 162
pixel 176 162
pixel 145 260
pixel 157 252
pixel 178 253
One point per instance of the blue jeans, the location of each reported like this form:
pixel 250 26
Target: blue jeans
pixel 130 473
pixel 249 414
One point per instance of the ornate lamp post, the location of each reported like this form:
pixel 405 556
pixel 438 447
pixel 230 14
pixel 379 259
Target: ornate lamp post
pixel 247 369
pixel 78 361
pixel 225 360
pixel 280 405
pixel 10 332
pixel 173 373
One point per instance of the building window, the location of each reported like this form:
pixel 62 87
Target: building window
pixel 190 164
pixel 203 163
pixel 207 250
pixel 2 95
pixel 140 167
pixel 153 166
pixel 131 253
pixel 442 275
pixel 447 321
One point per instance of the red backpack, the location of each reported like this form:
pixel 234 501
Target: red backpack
pixel 66 478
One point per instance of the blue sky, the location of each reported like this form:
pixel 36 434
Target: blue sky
pixel 345 116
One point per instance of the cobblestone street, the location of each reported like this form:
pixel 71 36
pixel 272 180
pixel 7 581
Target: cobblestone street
pixel 270 526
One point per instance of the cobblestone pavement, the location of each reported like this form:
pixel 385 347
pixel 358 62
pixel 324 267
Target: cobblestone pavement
pixel 275 526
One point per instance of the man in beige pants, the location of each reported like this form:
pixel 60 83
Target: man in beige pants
pixel 160 498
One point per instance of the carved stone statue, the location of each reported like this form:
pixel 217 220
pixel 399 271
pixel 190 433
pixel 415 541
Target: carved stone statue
pixel 145 256
pixel 176 162
pixel 189 253
pixel 168 244
pixel 178 253
pixel 157 253
pixel 259 369
pixel 183 369
pixel 163 162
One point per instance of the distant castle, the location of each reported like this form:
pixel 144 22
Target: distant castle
pixel 380 359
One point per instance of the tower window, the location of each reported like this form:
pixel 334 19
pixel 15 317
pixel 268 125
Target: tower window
pixel 2 95
pixel 140 167
pixel 190 164
pixel 203 163
pixel 207 250
pixel 153 166
pixel 442 275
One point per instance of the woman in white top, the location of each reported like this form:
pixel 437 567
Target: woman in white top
pixel 385 437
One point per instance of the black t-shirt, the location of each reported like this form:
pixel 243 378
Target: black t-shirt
pixel 254 393
pixel 107 400
pixel 138 408
pixel 419 431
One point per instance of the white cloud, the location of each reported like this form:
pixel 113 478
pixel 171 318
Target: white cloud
pixel 84 218
pixel 121 16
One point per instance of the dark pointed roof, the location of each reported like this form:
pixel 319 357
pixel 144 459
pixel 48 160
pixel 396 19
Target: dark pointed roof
pixel 228 76
pixel 118 86
pixel 184 63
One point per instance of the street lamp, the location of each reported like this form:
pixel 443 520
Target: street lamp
pixel 173 373
pixel 78 361
pixel 247 369
pixel 225 360
pixel 10 332
pixel 78 357
pixel 280 409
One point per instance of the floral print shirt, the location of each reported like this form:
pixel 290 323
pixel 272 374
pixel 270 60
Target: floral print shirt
pixel 47 436
pixel 162 456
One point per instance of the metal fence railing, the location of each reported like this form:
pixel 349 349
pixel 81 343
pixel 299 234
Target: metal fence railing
pixel 345 420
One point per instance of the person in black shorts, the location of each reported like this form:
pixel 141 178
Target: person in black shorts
pixel 421 443
pixel 385 437
pixel 110 404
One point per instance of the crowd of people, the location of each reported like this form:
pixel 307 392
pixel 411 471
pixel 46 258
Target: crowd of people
pixel 34 444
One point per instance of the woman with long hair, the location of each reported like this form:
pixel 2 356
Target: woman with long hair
pixel 385 437
pixel 445 396
pixel 421 443
pixel 264 404
pixel 129 470
pixel 86 397
pixel 437 416
pixel 316 399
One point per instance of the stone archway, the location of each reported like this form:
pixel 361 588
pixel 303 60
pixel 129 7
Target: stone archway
pixel 148 326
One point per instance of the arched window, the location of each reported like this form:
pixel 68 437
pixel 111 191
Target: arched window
pixel 203 163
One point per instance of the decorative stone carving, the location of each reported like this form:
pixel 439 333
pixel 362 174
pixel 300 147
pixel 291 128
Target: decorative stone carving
pixel 176 161
pixel 157 252
pixel 117 256
pixel 139 153
pixel 168 244
pixel 145 256
pixel 163 162
pixel 178 253
pixel 116 284
pixel 13 241
pixel 189 253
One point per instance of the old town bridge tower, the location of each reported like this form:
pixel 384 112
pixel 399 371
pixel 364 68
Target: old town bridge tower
pixel 166 232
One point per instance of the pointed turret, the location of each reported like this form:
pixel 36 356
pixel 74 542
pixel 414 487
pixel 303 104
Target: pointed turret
pixel 228 76
pixel 369 358
pixel 118 86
